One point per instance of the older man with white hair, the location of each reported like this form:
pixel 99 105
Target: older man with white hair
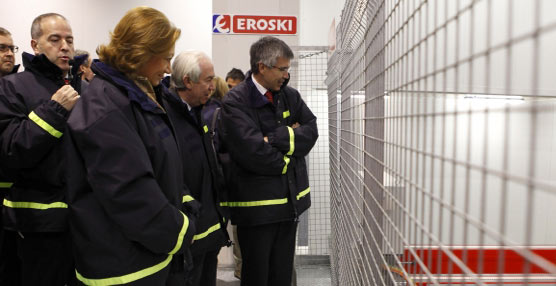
pixel 191 85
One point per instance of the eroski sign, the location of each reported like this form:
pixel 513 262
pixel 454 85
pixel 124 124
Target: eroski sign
pixel 245 24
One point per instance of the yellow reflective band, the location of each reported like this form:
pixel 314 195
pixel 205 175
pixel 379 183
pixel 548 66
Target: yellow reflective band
pixel 206 233
pixel 303 193
pixel 47 127
pixel 255 203
pixel 292 141
pixel 286 114
pixel 187 198
pixel 38 206
pixel 287 160
pixel 206 129
pixel 125 278
pixel 182 233
pixel 5 185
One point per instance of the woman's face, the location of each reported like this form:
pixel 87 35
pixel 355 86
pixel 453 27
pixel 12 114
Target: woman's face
pixel 157 66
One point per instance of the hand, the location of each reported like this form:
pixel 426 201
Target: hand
pixel 295 125
pixel 265 139
pixel 66 96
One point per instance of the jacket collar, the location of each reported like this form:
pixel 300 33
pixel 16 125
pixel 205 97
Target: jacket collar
pixel 40 64
pixel 15 69
pixel 134 93
pixel 255 97
pixel 174 99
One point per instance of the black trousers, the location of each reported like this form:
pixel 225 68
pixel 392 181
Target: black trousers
pixel 267 252
pixel 10 272
pixel 46 259
pixel 204 269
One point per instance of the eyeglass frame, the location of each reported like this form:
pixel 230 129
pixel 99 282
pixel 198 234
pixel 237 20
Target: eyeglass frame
pixel 281 69
pixel 4 48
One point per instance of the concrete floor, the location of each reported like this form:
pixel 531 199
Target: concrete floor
pixel 310 275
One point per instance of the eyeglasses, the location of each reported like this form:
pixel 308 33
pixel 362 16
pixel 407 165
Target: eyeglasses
pixel 5 48
pixel 282 69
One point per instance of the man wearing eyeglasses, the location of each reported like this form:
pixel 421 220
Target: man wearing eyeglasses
pixel 34 107
pixel 9 266
pixel 268 130
pixel 7 53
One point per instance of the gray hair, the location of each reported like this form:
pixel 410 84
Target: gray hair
pixel 36 29
pixel 187 64
pixel 4 32
pixel 267 50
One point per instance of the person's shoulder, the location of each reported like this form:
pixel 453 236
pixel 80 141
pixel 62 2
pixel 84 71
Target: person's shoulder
pixel 238 94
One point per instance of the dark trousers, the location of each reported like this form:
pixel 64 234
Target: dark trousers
pixel 267 252
pixel 204 269
pixel 46 259
pixel 10 272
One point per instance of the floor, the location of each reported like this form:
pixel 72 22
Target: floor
pixel 310 275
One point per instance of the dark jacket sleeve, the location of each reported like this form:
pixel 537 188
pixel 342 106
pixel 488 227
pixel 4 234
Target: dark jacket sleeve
pixel 296 141
pixel 244 141
pixel 27 135
pixel 121 176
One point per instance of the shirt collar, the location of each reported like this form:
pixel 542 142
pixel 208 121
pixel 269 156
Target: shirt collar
pixel 259 87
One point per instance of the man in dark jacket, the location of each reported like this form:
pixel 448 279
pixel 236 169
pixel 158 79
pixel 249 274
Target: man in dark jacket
pixel 268 130
pixel 9 264
pixel 34 107
pixel 191 85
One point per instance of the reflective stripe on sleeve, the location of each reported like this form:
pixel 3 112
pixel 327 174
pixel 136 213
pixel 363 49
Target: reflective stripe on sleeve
pixel 44 125
pixel 187 198
pixel 5 185
pixel 303 193
pixel 37 206
pixel 125 278
pixel 292 141
pixel 286 114
pixel 287 160
pixel 181 234
pixel 206 233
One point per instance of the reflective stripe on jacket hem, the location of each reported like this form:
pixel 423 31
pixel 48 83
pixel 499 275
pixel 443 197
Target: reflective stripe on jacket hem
pixel 125 278
pixel 292 141
pixel 5 185
pixel 206 233
pixel 44 125
pixel 31 205
pixel 181 234
pixel 264 203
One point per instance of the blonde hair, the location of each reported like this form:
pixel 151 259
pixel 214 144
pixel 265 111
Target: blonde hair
pixel 142 33
pixel 220 88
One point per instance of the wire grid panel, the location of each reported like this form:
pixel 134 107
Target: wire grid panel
pixel 308 75
pixel 446 163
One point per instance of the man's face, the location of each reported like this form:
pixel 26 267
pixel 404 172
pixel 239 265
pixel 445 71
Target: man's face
pixel 232 82
pixel 7 59
pixel 56 42
pixel 87 71
pixel 273 77
pixel 198 93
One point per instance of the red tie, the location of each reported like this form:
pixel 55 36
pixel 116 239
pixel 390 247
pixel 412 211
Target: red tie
pixel 268 96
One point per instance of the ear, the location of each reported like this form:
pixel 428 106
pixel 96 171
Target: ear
pixel 187 82
pixel 35 46
pixel 262 67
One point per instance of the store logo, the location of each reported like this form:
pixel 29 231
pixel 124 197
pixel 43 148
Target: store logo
pixel 221 24
pixel 248 24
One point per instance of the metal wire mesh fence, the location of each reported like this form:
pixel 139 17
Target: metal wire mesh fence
pixel 442 119
pixel 307 76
